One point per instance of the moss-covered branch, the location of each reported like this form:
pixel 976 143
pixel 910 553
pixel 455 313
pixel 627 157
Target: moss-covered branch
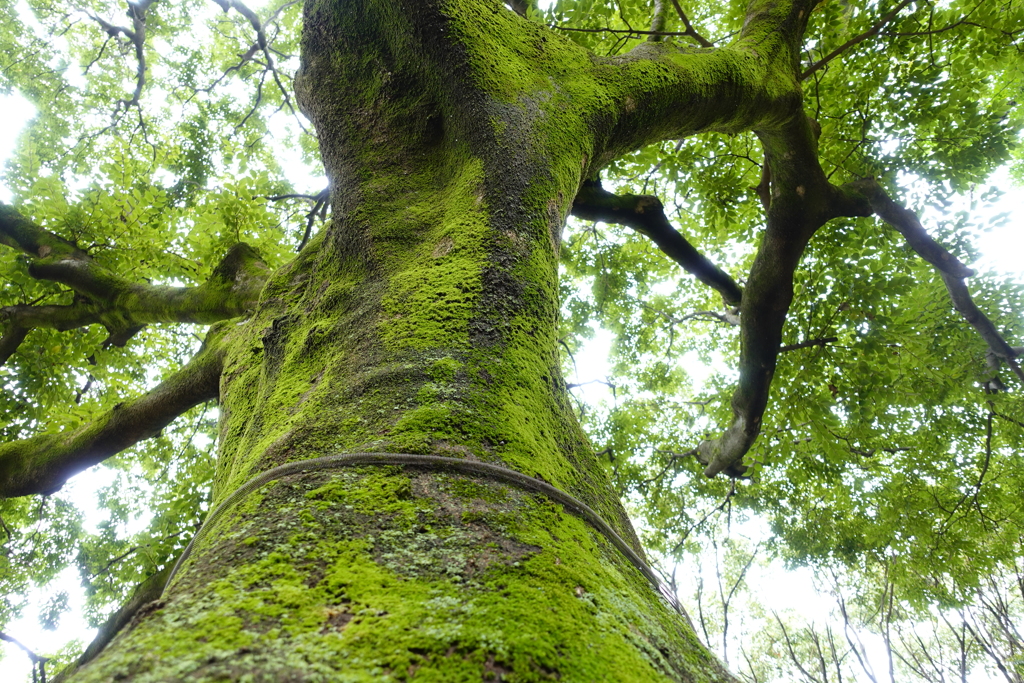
pixel 107 298
pixel 43 463
pixel 62 318
pixel 663 90
pixel 646 215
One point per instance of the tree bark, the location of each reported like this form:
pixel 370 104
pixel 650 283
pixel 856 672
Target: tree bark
pixel 423 320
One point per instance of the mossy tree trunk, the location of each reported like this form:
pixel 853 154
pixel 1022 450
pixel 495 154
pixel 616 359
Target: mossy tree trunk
pixel 456 136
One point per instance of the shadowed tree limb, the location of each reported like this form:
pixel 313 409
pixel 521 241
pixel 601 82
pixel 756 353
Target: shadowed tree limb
pixel 866 197
pixel 43 463
pixel 907 224
pixel 121 306
pixel 38 661
pixel 646 215
pixel 800 203
pixel 26 317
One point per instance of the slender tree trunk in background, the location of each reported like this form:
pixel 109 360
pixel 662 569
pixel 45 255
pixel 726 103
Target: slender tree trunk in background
pixel 422 320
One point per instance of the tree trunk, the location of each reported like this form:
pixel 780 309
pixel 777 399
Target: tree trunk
pixel 422 320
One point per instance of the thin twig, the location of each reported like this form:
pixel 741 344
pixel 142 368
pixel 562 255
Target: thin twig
pixel 875 28
pixel 690 31
pixel 809 343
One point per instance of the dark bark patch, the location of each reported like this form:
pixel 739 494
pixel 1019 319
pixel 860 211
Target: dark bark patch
pixel 493 671
pixel 275 343
pixel 337 619
pixel 500 302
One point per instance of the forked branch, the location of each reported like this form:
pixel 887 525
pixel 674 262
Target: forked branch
pixel 43 463
pixel 263 44
pixel 321 201
pixel 690 30
pixel 136 35
pixel 122 306
pixel 38 661
pixel 769 291
pixel 799 205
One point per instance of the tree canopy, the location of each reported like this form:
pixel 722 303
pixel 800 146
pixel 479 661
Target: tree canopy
pixel 870 414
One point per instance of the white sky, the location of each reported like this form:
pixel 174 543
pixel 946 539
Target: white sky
pixel 1003 250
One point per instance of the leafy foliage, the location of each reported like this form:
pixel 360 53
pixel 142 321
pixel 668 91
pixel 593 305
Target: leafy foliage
pixel 884 459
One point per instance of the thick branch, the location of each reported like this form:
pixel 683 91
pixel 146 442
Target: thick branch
pixel 646 215
pixel 871 195
pixel 662 91
pixel 26 317
pixel 19 232
pixel 907 224
pixel 966 307
pixel 800 204
pixel 43 463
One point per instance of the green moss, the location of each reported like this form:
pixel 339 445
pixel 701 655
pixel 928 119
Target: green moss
pixel 364 596
pixel 432 297
pixel 471 489
pixel 444 369
pixel 380 491
pixel 417 429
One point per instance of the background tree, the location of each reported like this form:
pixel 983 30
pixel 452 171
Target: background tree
pixel 422 317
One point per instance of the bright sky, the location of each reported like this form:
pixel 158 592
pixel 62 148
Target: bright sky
pixel 1003 249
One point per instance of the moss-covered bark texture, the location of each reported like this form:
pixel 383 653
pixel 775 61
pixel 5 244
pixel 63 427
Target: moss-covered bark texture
pixel 455 135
